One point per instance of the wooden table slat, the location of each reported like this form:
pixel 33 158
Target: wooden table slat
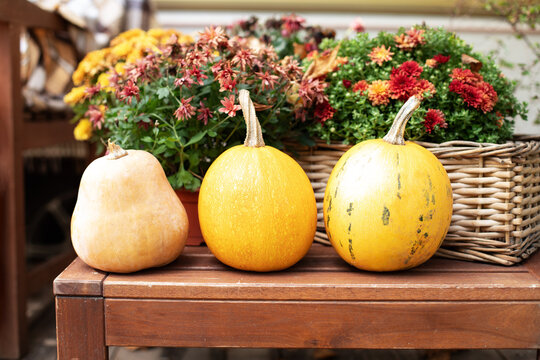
pixel 322 275
pixel 404 325
pixel 175 284
pixel 79 279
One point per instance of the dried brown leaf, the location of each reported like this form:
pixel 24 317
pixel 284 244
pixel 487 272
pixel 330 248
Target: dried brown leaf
pixel 474 64
pixel 324 64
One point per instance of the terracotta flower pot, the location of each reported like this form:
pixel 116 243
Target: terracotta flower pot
pixel 190 200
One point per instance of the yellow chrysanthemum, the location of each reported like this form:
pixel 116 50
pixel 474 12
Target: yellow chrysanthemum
pixel 103 81
pixel 75 95
pixel 146 43
pixel 127 35
pixel 186 39
pixel 159 33
pixel 378 92
pixel 134 55
pixel 380 54
pixel 120 68
pixel 78 76
pixel 83 130
pixel 122 49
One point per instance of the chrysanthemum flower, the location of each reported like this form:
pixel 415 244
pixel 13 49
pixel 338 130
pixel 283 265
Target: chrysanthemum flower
pixel 324 111
pixel 404 42
pixel 432 63
pixel 76 95
pixel 408 68
pixel 83 130
pixel 434 117
pixel 401 86
pixel 380 54
pixel 424 88
pixel 229 107
pixel 267 80
pixel 416 36
pixel 213 36
pixel 378 92
pixel 466 76
pixel 95 115
pixel 441 59
pixel 204 113
pixel 361 86
pixel 185 109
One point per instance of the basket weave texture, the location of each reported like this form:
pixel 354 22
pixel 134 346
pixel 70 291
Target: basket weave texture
pixel 496 214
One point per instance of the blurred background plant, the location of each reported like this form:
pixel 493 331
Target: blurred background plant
pixel 288 34
pixel 523 17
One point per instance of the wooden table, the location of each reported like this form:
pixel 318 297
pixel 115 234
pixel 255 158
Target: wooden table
pixel 319 303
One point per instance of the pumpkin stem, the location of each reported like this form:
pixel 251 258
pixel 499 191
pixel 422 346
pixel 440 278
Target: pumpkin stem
pixel 114 151
pixel 396 132
pixel 254 132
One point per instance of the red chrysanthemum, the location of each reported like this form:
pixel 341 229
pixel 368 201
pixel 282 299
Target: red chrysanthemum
pixel 361 86
pixel 470 94
pixel 128 91
pixel 204 113
pixel 466 76
pixel 229 107
pixel 243 58
pixel 408 68
pixel 434 117
pixel 489 96
pixel 324 111
pixel 185 109
pixel 267 80
pixel 346 83
pixel 226 84
pixel 441 59
pixel 424 88
pixel 401 86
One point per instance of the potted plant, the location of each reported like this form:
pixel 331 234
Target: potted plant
pixel 466 118
pixel 178 100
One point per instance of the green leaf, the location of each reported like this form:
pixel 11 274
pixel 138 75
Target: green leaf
pixel 196 138
pixel 162 93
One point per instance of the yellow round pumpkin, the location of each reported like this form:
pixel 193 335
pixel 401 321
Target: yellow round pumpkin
pixel 388 203
pixel 127 216
pixel 257 208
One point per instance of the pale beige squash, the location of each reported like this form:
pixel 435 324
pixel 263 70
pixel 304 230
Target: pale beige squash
pixel 388 202
pixel 127 216
pixel 257 208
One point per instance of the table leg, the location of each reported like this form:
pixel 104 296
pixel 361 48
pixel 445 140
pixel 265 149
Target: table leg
pixel 80 328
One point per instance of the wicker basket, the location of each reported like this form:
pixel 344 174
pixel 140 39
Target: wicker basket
pixel 496 196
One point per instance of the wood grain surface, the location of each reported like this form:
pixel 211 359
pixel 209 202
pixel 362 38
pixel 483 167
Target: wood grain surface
pixel 80 328
pixel 323 324
pixel 322 275
pixel 79 279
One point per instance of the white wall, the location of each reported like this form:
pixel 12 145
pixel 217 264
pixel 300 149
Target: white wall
pixel 484 34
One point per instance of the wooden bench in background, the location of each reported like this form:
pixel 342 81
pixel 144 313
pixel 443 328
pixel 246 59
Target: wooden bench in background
pixel 319 303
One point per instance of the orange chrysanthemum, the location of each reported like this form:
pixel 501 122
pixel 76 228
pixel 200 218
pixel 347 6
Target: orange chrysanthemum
pixel 380 54
pixel 378 92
